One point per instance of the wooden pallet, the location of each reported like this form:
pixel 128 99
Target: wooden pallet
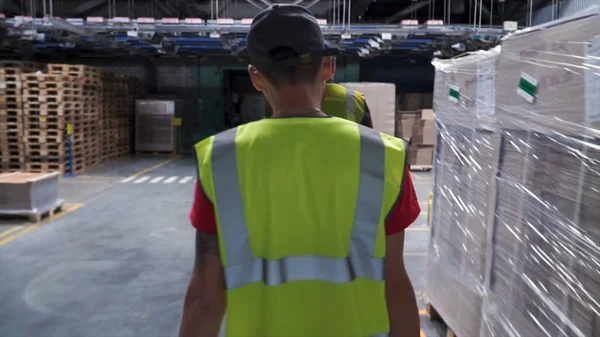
pixel 35 217
pixel 434 315
pixel 421 168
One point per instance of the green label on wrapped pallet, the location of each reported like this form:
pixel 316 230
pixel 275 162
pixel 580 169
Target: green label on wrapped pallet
pixel 454 94
pixel 527 87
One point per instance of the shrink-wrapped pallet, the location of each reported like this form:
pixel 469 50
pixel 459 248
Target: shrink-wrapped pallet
pixel 545 272
pixel 515 236
pixel 464 166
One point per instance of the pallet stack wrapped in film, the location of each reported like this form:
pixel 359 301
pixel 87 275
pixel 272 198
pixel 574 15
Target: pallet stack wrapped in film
pixel 515 233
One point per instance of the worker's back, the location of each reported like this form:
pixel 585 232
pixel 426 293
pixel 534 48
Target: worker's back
pixel 300 258
pixel 344 103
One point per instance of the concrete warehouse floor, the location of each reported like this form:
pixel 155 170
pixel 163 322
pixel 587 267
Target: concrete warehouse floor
pixel 117 261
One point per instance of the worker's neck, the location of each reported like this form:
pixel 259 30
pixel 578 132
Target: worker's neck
pixel 299 101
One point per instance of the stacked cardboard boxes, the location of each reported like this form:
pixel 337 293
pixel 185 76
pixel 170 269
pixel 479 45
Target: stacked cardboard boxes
pixel 515 241
pixel 423 139
pixel 418 129
pixel 415 101
pixel 381 99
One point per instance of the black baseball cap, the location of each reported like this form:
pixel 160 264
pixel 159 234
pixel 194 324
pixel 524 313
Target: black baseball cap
pixel 290 26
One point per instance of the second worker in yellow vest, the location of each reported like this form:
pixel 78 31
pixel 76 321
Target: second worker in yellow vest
pixel 342 102
pixel 300 217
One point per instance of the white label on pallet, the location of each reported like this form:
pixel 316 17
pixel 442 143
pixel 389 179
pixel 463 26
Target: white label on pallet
pixel 94 19
pixel 145 20
pixel 322 22
pixel 592 80
pixel 486 98
pixel 193 21
pixel 169 20
pixel 121 19
pixel 224 21
pixel 246 21
pixel 527 87
pixel 454 93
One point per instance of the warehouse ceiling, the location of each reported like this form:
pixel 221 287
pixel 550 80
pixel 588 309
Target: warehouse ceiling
pixel 155 28
pixel 335 11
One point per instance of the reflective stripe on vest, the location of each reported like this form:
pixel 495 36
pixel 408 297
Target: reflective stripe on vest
pixel 243 269
pixel 351 107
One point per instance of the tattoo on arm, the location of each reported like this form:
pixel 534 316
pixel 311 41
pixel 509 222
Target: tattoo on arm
pixel 206 244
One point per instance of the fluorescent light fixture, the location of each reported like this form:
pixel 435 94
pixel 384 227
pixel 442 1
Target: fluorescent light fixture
pixel 373 44
pixel 459 46
pixel 386 36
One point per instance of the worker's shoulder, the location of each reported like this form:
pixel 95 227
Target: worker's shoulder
pixel 336 87
pixel 391 142
pixel 223 136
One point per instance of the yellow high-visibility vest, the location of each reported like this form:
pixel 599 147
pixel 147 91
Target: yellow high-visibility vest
pixel 301 205
pixel 344 103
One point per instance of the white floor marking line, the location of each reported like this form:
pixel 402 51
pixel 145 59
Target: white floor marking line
pixel 141 180
pixel 155 180
pixel 126 180
pixel 170 180
pixel 185 180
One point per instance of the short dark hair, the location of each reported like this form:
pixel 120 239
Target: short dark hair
pixel 303 74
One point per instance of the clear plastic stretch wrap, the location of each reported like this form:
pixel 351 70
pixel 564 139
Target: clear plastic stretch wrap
pixel 515 229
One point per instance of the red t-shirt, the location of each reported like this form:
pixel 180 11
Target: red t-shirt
pixel 405 211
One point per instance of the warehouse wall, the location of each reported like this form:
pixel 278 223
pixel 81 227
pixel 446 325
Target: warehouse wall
pixel 409 75
pixel 567 8
pixel 570 7
pixel 199 83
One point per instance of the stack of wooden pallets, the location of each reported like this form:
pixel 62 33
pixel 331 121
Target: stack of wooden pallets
pixel 115 116
pixel 11 114
pixel 87 85
pixel 41 105
pixel 60 102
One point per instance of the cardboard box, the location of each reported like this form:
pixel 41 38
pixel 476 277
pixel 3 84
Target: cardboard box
pixel 381 99
pixel 424 155
pixel 428 132
pixel 405 122
pixel 427 101
pixel 412 101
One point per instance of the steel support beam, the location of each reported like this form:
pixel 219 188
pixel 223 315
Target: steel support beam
pixel 401 14
pixel 163 8
pixel 86 7
pixel 486 14
pixel 256 5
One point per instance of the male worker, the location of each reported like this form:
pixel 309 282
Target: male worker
pixel 342 102
pixel 300 217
